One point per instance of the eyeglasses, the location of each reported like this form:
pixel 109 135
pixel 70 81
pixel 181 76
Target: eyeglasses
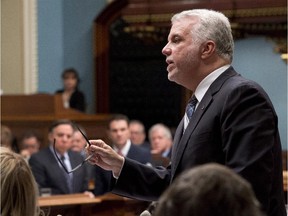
pixel 78 166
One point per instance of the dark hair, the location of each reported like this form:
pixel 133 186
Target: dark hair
pixel 210 189
pixel 118 117
pixel 30 133
pixel 71 71
pixel 61 122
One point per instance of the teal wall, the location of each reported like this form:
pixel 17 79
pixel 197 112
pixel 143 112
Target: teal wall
pixel 255 59
pixel 65 39
pixel 65 29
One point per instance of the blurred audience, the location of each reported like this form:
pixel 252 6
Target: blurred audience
pixel 78 144
pixel 29 144
pixel 206 190
pixel 48 171
pixel 71 95
pixel 119 134
pixel 138 134
pixel 161 144
pixel 7 139
pixel 19 190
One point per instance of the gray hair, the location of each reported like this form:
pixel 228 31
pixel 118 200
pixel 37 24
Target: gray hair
pixel 164 128
pixel 213 26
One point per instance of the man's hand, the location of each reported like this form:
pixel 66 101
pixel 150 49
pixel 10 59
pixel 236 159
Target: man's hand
pixel 105 157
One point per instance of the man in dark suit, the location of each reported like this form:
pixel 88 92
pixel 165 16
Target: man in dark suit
pixel 138 134
pixel 119 134
pixel 47 170
pixel 234 122
pixel 160 137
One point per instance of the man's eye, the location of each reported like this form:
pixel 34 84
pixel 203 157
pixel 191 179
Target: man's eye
pixel 176 40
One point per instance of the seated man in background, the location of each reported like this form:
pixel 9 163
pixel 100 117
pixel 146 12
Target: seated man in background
pixel 138 134
pixel 210 189
pixel 48 171
pixel 29 144
pixel 119 134
pixel 7 138
pixel 78 145
pixel 161 144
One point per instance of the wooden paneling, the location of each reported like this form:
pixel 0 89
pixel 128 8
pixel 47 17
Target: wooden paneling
pixel 264 17
pixel 83 205
pixel 36 112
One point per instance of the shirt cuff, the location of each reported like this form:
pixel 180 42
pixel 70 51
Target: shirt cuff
pixel 114 175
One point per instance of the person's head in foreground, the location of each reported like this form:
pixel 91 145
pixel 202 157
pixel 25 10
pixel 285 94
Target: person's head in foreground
pixel 209 190
pixel 19 190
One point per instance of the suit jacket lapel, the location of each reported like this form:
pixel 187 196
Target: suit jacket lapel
pixel 177 137
pixel 179 150
pixel 58 171
pixel 180 141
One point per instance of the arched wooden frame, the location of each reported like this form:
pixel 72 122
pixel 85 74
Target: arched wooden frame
pixel 263 17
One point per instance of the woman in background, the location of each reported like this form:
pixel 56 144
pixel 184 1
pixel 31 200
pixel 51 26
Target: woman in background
pixel 71 95
pixel 19 190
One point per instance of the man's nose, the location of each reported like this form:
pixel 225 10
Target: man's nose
pixel 166 50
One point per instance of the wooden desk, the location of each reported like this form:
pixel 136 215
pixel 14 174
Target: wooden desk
pixel 81 204
pixel 36 112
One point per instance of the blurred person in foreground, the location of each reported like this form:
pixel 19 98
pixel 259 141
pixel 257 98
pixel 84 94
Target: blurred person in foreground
pixel 206 190
pixel 229 120
pixel 19 192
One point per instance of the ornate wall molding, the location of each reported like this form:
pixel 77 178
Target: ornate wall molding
pixel 30 46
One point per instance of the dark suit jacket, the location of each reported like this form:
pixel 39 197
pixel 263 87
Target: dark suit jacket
pixel 235 124
pixel 77 100
pixel 49 174
pixel 104 179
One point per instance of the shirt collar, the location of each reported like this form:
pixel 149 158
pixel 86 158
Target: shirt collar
pixel 207 81
pixel 125 149
pixel 65 154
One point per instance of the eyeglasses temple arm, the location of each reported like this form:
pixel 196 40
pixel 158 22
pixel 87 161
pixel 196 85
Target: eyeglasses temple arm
pixel 59 158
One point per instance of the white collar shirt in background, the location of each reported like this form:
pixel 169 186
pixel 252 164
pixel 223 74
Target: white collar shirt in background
pixel 125 149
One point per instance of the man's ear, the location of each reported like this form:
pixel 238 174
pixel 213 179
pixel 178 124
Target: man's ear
pixel 208 49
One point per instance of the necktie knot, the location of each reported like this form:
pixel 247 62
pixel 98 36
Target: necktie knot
pixel 120 152
pixel 190 108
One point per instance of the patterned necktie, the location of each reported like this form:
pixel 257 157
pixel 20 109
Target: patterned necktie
pixel 190 108
pixel 67 176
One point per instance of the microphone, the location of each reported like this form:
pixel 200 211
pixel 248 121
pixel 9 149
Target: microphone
pixel 145 213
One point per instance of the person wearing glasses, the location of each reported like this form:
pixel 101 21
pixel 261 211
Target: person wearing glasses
pixel 229 119
pixel 50 165
pixel 138 134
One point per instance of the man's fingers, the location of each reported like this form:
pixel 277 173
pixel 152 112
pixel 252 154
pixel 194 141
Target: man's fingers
pixel 98 142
